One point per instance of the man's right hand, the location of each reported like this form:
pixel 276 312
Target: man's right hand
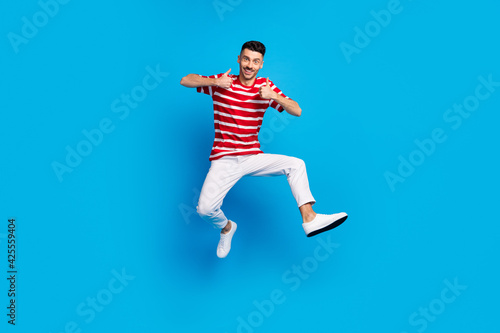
pixel 224 81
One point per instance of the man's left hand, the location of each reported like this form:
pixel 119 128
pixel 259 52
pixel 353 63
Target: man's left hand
pixel 266 91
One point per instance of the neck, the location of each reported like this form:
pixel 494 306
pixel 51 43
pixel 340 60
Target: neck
pixel 245 81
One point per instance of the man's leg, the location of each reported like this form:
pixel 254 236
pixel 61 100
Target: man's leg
pixel 226 229
pixel 307 213
pixel 221 177
pixel 268 165
pixel 295 171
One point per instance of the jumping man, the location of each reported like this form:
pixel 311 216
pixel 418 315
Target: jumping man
pixel 240 102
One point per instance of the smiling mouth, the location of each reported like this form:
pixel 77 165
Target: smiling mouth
pixel 247 71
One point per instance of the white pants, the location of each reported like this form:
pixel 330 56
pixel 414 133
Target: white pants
pixel 226 171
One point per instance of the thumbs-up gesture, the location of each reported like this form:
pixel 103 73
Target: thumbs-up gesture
pixel 266 91
pixel 224 81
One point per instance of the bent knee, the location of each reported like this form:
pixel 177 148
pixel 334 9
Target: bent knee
pixel 298 163
pixel 205 210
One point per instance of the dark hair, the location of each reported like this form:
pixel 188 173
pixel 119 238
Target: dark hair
pixel 254 46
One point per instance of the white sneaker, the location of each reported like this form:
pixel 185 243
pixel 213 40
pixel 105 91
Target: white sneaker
pixel 323 223
pixel 225 241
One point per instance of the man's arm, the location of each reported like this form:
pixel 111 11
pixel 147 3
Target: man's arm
pixel 288 104
pixel 195 81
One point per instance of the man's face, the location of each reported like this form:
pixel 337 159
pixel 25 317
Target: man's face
pixel 250 63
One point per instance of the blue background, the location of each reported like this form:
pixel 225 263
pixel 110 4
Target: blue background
pixel 129 206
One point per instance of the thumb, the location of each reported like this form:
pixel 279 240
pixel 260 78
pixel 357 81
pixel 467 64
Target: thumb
pixel 267 82
pixel 227 73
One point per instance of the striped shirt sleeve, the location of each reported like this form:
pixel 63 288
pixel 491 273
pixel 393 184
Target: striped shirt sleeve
pixel 273 103
pixel 208 89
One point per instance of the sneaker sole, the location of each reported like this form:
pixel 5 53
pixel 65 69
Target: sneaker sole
pixel 332 225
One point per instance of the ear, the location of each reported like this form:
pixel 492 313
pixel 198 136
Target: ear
pixel 262 64
pixel 238 59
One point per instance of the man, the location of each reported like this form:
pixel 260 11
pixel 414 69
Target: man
pixel 240 102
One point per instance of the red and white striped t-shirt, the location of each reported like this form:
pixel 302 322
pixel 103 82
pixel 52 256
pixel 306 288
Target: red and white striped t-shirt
pixel 238 114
